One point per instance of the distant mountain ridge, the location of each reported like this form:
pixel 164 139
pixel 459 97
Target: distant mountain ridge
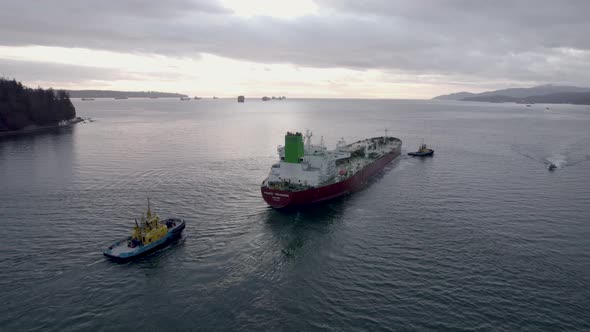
pixel 122 94
pixel 551 94
pixel 576 98
pixel 456 96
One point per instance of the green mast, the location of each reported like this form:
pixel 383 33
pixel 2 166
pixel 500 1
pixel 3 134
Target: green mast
pixel 294 147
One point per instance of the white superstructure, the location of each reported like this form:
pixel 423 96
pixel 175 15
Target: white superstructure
pixel 308 165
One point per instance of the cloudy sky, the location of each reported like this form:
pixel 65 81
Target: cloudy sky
pixel 299 48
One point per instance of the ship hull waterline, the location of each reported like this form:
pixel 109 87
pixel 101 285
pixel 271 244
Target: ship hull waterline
pixel 282 199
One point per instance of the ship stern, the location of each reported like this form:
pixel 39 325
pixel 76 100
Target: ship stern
pixel 277 199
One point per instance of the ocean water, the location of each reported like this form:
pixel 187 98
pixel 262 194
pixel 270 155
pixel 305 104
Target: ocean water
pixel 479 237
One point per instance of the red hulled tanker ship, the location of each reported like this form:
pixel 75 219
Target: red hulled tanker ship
pixel 307 173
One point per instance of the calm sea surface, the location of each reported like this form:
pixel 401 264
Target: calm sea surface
pixel 479 237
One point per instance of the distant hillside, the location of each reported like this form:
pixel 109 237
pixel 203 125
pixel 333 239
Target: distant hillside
pixel 538 94
pixel 122 94
pixel 534 91
pixel 455 96
pixel 25 108
pixel 493 99
pixel 577 98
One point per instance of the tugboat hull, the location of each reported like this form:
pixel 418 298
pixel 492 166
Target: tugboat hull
pixel 281 199
pixel 421 154
pixel 120 251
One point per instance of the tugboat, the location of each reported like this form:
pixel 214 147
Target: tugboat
pixel 423 151
pixel 150 234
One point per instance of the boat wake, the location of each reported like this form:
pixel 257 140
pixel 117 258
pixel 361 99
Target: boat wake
pixel 558 160
pixel 518 151
pixel 98 261
pixel 586 158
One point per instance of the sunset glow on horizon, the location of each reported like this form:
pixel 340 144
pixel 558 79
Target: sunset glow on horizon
pixel 210 75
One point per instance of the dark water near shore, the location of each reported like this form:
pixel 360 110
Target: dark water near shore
pixel 481 236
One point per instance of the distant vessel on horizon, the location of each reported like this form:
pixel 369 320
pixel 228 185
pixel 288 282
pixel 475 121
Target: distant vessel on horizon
pixel 266 98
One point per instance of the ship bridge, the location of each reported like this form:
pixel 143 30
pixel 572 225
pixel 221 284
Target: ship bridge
pixel 305 165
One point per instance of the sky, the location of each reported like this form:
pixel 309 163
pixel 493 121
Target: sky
pixel 300 48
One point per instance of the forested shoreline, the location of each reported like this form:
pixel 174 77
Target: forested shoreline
pixel 25 108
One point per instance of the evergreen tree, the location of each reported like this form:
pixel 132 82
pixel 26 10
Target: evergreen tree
pixel 21 106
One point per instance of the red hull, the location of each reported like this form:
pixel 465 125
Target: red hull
pixel 279 199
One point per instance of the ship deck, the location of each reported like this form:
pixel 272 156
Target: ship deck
pixel 350 165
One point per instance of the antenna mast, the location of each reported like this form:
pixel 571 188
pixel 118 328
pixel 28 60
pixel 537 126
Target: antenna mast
pixel 308 135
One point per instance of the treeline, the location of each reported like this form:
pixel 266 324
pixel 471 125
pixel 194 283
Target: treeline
pixel 21 106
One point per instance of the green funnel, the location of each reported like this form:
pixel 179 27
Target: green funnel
pixel 293 147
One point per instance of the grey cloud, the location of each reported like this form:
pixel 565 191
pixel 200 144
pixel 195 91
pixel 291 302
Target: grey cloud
pixel 53 72
pixel 28 71
pixel 458 39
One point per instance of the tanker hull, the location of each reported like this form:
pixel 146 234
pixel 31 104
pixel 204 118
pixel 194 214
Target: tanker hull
pixel 281 199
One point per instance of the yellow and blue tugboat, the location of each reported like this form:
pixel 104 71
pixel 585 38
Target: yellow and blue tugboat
pixel 150 234
pixel 423 151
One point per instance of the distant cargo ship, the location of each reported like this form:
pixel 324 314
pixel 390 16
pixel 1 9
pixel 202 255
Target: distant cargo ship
pixel 307 173
pixel 266 98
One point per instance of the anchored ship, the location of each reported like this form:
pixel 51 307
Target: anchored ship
pixel 308 173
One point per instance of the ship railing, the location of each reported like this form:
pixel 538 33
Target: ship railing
pixel 286 186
